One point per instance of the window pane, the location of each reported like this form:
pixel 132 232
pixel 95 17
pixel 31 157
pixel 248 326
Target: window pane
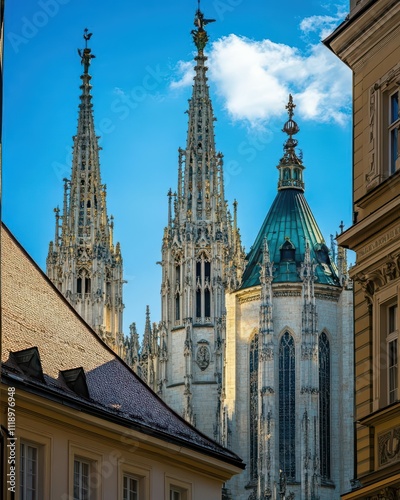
pixel 324 405
pixel 287 411
pixel 131 488
pixel 393 374
pixel 392 318
pixel 394 107
pixel 198 304
pixel 394 148
pixel 207 302
pixel 393 131
pixel 254 407
pixel 28 472
pixel 81 480
pixel 175 495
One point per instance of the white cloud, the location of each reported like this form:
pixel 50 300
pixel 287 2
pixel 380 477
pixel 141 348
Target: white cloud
pixel 254 78
pixel 323 25
pixel 185 74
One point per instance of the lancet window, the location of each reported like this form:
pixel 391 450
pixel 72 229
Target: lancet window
pixel 177 292
pixel 83 282
pixel 253 407
pixel 324 405
pixel 203 289
pixel 287 411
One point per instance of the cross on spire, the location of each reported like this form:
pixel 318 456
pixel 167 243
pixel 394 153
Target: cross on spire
pixel 290 107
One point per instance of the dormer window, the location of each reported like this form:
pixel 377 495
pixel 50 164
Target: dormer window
pixel 322 253
pixel 288 251
pixel 28 360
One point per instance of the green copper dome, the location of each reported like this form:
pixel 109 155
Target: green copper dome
pixel 290 225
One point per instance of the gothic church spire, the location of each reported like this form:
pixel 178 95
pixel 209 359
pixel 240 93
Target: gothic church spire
pixel 200 194
pixel 201 258
pixel 83 261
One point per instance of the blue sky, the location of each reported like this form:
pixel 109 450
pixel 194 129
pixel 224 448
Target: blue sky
pixel 258 52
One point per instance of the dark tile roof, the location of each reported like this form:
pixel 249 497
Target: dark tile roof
pixel 38 318
pixel 118 395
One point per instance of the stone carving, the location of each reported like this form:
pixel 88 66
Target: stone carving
pixel 203 357
pixel 267 353
pixel 386 494
pixel 309 390
pixel 389 447
pixel 267 390
pixel 309 351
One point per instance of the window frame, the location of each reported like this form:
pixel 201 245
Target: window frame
pixel 284 413
pixel 203 289
pixel 380 126
pixel 393 124
pixel 179 486
pixel 128 478
pixel 82 462
pixel 23 471
pixel 43 442
pixel 141 474
pixel 94 459
pixel 382 302
pixel 392 338
pixel 178 293
pixel 325 454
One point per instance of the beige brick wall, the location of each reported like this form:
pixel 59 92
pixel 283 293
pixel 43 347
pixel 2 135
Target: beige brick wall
pixel 33 307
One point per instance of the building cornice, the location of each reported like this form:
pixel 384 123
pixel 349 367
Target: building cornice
pixel 359 233
pixel 365 31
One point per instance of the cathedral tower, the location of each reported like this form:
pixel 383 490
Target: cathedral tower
pixel 289 353
pixel 82 261
pixel 201 258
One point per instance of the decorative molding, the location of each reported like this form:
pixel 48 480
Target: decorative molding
pixel 309 351
pixel 309 390
pixel 389 447
pixel 243 300
pixel 388 493
pixel 384 239
pixel 327 296
pixel 287 293
pixel 267 352
pixel 372 281
pixel 267 390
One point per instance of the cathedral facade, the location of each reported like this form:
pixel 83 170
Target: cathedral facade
pixel 255 351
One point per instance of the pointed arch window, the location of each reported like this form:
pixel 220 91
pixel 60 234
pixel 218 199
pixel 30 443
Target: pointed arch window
pixel 253 371
pixel 203 289
pixel 83 282
pixel 324 405
pixel 287 412
pixel 177 292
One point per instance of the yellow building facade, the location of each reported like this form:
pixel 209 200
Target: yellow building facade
pixel 369 43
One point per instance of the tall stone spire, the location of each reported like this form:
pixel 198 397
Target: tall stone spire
pixel 198 251
pixel 200 193
pixel 83 261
